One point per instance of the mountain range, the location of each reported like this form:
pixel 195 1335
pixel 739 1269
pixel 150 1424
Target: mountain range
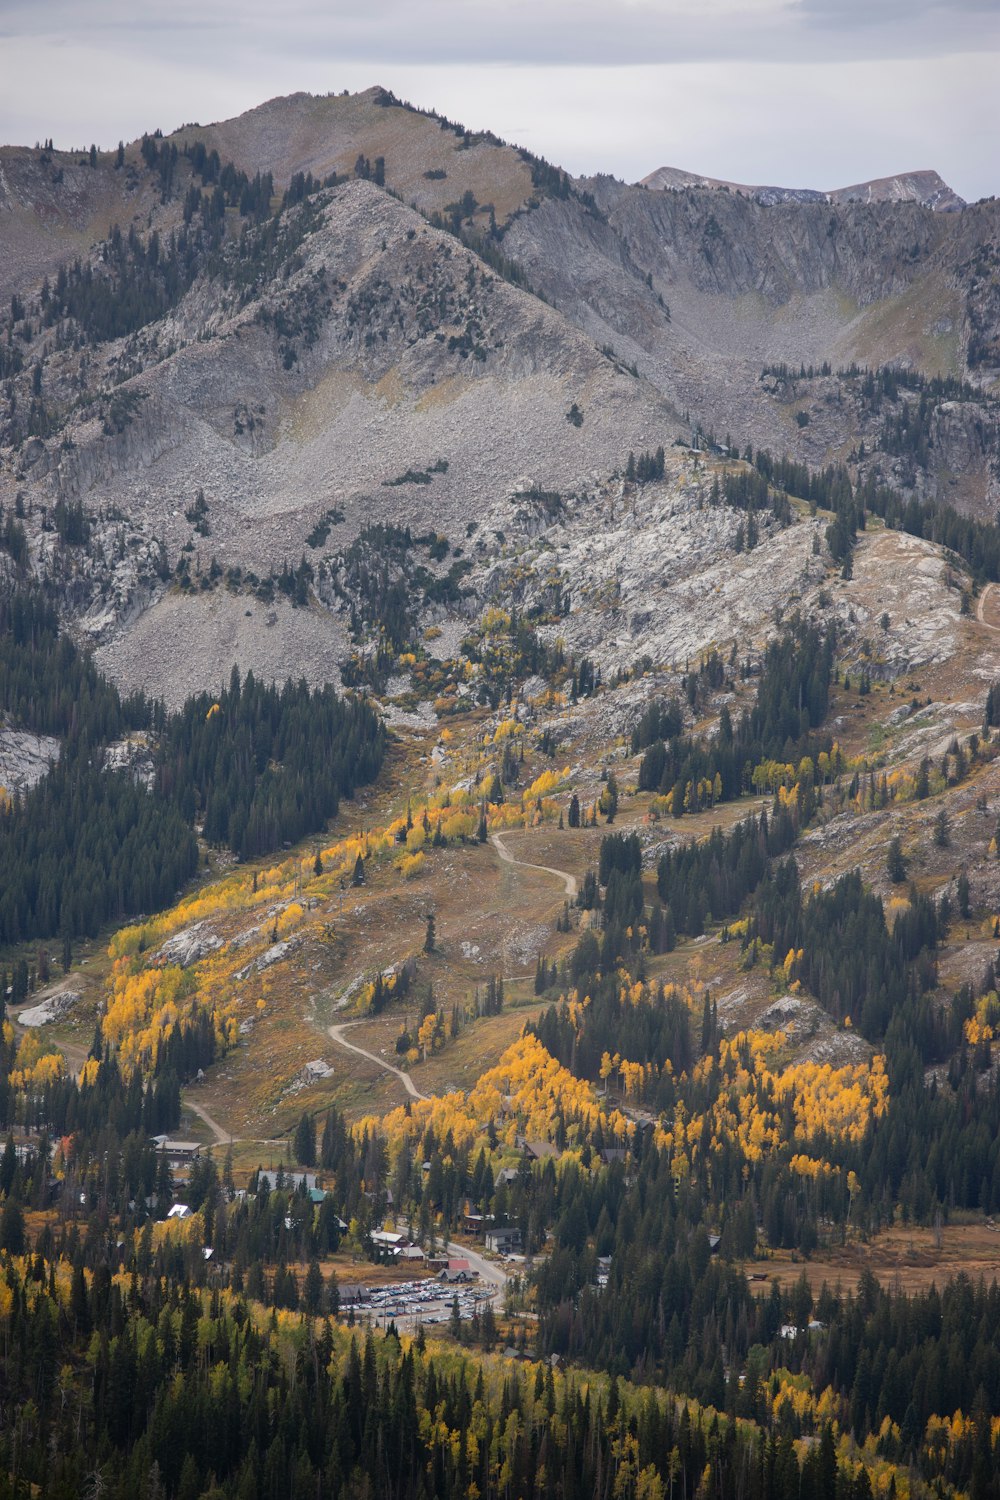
pixel 242 346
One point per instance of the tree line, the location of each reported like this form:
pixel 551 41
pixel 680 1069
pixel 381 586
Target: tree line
pixel 89 844
pixel 790 705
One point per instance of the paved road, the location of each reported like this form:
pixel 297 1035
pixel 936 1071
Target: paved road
pixel 568 880
pixel 490 1273
pixel 336 1034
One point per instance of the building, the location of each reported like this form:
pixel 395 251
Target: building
pixel 456 1270
pixel 502 1241
pixel 387 1240
pixel 537 1150
pixel 290 1180
pixel 178 1151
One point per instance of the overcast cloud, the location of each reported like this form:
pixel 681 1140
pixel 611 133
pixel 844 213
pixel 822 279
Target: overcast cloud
pixel 815 93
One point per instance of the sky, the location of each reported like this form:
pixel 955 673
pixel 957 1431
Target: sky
pixel 797 93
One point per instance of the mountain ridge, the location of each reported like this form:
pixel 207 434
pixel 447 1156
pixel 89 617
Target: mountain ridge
pixel 924 186
pixel 339 313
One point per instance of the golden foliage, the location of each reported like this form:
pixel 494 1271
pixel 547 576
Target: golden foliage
pixel 754 1101
pixel 36 1064
pixel 527 1094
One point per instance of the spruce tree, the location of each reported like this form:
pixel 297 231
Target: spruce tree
pixel 895 863
pixel 305 1141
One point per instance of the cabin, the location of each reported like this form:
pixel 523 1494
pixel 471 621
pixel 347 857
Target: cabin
pixel 537 1150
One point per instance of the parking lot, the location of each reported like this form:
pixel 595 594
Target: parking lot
pixel 409 1303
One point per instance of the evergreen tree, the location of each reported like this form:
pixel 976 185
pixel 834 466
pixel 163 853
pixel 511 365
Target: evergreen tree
pixel 312 1291
pixel 305 1141
pixel 895 863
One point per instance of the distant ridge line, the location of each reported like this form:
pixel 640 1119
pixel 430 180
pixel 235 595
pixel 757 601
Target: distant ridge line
pixel 926 187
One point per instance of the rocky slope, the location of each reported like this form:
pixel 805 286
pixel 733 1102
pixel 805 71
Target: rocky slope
pixel 703 289
pixel 375 372
pixel 199 399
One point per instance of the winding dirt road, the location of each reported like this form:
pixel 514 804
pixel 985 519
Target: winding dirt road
pixel 981 607
pixel 568 880
pixel 336 1034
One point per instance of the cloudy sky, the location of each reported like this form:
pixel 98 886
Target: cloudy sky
pixel 817 93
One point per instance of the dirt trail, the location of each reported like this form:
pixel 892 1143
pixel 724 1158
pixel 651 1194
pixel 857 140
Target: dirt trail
pixel 981 607
pixel 336 1034
pixel 568 880
pixel 336 1031
pixel 222 1137
pixel 75 1053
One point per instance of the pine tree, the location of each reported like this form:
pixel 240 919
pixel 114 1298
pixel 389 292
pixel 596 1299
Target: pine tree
pixel 895 863
pixel 305 1141
pixel 312 1291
